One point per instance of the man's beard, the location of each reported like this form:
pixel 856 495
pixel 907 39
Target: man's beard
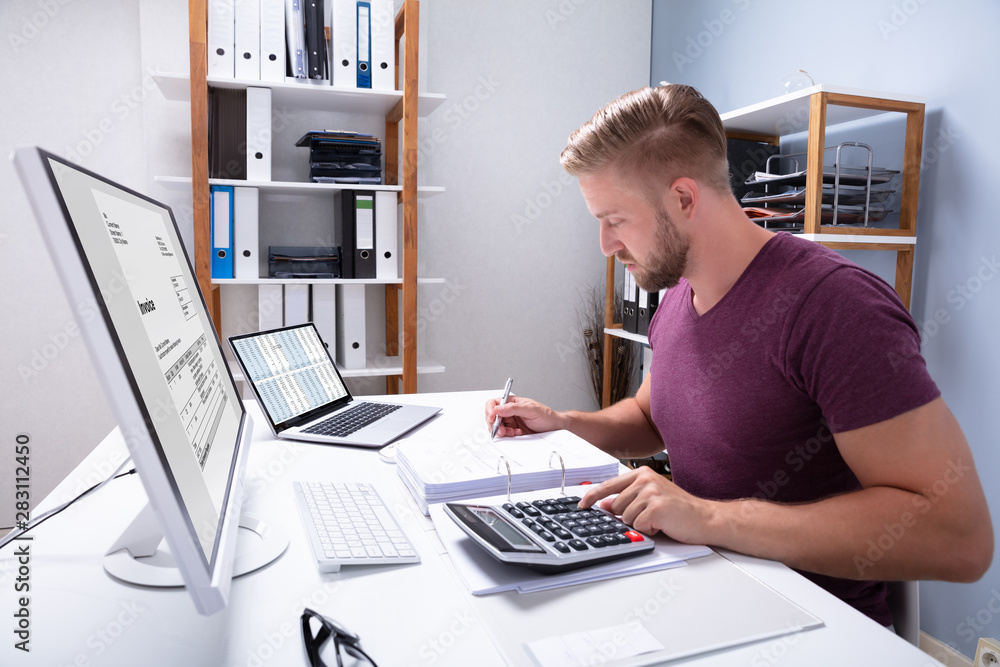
pixel 668 260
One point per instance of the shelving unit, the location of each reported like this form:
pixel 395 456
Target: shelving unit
pixel 399 366
pixel 295 187
pixel 812 110
pixel 307 96
pixel 824 106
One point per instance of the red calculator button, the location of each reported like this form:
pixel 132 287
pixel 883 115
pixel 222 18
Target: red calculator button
pixel 633 536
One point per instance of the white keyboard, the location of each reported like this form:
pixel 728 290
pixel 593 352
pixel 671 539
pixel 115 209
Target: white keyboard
pixel 348 524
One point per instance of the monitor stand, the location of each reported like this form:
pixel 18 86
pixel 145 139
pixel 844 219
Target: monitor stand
pixel 138 557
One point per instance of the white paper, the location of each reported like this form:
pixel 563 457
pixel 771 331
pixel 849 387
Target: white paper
pixel 595 647
pixel 440 471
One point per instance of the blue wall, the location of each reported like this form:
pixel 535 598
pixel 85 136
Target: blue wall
pixel 737 52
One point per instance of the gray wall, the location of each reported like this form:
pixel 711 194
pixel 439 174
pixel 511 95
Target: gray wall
pixel 63 90
pixel 511 235
pixel 947 52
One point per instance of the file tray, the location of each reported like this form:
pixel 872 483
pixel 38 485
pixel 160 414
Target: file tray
pixel 343 157
pixel 303 262
pixel 798 197
pixel 356 140
pixel 353 169
pixel 856 176
pixel 843 187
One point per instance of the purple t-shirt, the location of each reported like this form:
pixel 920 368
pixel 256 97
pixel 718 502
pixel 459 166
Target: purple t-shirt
pixel 747 396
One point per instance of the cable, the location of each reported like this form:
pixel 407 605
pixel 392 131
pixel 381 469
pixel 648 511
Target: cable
pixel 18 532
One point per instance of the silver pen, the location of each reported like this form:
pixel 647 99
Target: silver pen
pixel 496 421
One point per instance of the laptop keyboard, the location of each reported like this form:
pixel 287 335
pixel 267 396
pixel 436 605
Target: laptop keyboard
pixel 348 524
pixel 344 423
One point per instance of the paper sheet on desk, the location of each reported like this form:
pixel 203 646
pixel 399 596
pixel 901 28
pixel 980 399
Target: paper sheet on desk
pixel 484 575
pixel 594 647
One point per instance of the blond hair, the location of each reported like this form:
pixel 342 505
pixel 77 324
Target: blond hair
pixel 651 137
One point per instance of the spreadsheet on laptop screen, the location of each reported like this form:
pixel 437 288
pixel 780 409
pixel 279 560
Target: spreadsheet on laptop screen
pixel 291 370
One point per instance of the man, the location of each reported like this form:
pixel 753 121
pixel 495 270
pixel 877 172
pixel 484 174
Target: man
pixel 787 384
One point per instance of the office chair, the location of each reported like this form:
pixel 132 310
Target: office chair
pixel 904 605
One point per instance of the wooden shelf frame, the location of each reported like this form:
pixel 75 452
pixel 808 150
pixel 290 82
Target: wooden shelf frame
pixel 829 105
pixel 912 148
pixel 400 334
pixel 609 323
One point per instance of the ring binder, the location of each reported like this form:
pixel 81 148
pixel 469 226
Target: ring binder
pixel 427 466
pixel 503 459
pixel 562 464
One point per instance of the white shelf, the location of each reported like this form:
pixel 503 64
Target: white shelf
pixel 789 114
pixel 871 237
pixel 321 281
pixel 621 333
pixel 305 94
pixel 378 366
pixel 295 187
pixel 381 365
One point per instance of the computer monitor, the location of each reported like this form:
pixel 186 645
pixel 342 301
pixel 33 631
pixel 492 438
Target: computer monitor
pixel 126 274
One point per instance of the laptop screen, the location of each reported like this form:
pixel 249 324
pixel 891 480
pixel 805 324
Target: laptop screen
pixel 291 371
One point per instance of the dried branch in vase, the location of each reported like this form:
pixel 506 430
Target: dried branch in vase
pixel 626 354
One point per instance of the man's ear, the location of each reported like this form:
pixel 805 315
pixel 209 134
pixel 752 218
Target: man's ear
pixel 684 197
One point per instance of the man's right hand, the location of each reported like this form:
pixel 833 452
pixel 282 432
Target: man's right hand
pixel 522 416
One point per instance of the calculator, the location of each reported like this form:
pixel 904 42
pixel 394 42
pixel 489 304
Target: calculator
pixel 549 535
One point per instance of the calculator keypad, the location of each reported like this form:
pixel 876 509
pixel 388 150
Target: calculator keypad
pixel 561 523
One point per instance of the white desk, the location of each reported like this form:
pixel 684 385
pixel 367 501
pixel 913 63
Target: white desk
pixel 406 615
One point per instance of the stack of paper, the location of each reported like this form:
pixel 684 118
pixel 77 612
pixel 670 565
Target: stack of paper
pixel 437 472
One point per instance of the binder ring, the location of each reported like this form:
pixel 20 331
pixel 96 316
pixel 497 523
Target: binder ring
pixel 503 459
pixel 562 482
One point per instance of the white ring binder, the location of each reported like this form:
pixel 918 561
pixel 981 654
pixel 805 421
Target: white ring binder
pixel 562 464
pixel 503 459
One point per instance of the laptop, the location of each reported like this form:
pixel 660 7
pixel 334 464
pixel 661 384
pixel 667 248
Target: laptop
pixel 303 395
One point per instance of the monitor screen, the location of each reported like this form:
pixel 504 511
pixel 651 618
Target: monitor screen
pixel 159 358
pixel 166 337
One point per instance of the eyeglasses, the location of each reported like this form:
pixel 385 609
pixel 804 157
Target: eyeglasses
pixel 343 639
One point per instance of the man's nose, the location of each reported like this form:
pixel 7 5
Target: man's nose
pixel 609 242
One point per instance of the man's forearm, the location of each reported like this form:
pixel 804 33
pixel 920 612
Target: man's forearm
pixel 876 533
pixel 621 430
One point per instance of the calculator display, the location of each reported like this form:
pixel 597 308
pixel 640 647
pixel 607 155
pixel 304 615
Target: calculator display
pixel 500 525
